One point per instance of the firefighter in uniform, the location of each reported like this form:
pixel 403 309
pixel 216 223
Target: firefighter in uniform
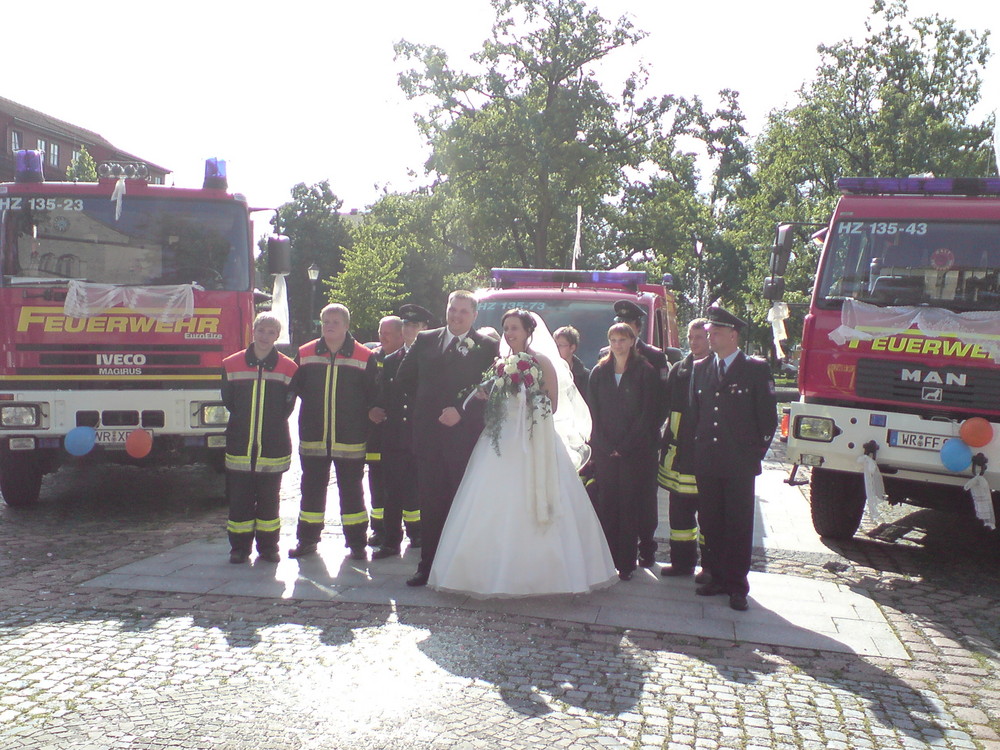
pixel 627 311
pixel 735 409
pixel 336 382
pixel 394 411
pixel 390 337
pixel 257 389
pixel 676 466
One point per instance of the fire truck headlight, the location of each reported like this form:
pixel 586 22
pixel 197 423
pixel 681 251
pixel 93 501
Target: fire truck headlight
pixel 20 415
pixel 214 414
pixel 819 429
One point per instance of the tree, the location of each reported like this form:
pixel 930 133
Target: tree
pixel 82 168
pixel 370 284
pixel 318 236
pixel 518 146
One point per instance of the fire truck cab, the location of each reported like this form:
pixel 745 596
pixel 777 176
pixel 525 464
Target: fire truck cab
pixel 900 354
pixel 584 300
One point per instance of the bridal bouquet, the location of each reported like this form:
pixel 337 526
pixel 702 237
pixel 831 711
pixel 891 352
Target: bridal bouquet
pixel 508 376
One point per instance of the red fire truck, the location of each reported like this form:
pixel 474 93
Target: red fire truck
pixel 584 300
pixel 118 301
pixel 900 347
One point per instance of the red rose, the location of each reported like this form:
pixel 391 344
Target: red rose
pixel 529 380
pixel 523 364
pixel 515 378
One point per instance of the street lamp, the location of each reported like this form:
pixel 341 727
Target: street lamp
pixel 313 273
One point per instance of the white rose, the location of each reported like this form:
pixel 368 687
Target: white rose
pixel 510 368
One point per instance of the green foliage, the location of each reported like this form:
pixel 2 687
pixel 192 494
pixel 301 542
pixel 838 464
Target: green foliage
pixel 318 236
pixel 369 285
pixel 82 168
pixel 517 147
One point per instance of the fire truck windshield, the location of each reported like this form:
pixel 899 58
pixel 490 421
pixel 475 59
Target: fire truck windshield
pixel 953 265
pixel 48 239
pixel 591 319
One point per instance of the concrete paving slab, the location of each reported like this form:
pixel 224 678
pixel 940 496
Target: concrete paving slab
pixel 785 610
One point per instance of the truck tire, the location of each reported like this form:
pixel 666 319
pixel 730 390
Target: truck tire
pixel 20 480
pixel 837 501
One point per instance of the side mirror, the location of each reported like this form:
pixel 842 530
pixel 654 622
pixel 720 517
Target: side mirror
pixel 279 255
pixel 782 250
pixel 774 288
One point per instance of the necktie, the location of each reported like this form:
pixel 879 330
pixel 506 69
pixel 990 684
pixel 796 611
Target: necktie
pixel 722 369
pixel 452 345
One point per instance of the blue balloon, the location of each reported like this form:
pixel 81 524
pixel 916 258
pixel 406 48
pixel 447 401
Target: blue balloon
pixel 80 440
pixel 956 455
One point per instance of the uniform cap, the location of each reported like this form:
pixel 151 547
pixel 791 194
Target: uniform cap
pixel 718 316
pixel 626 311
pixel 416 314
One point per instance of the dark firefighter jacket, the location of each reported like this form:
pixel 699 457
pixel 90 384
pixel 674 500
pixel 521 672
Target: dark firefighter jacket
pixel 337 390
pixel 260 396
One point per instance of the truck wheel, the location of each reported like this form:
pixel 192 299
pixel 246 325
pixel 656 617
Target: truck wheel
pixel 20 481
pixel 837 502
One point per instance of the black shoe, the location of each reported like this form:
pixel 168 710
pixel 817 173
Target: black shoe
pixel 238 557
pixel 672 571
pixel 358 553
pixel 269 555
pixel 703 576
pixel 420 579
pixel 376 540
pixel 383 552
pixel 302 550
pixel 738 602
pixel 710 589
pixel 646 562
pixel 625 575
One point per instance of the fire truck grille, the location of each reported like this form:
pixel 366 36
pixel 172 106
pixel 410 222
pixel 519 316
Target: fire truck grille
pixel 930 385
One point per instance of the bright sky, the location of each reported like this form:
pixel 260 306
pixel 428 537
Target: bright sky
pixel 299 91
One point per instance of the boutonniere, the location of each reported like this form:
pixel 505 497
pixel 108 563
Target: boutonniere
pixel 465 345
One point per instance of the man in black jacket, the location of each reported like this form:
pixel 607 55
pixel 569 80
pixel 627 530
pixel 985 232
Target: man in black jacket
pixel 394 413
pixel 735 409
pixel 677 464
pixel 441 368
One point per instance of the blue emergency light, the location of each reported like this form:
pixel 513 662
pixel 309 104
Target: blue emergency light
pixel 919 185
pixel 512 276
pixel 29 167
pixel 215 174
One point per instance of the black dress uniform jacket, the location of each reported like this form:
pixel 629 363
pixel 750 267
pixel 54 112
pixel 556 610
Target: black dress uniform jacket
pixel 736 418
pixel 397 429
pixel 260 397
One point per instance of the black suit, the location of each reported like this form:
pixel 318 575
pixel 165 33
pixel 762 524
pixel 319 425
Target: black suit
pixel 398 462
pixel 736 419
pixel 438 380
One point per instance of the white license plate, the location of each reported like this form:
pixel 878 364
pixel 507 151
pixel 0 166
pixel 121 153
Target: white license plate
pixel 111 437
pixel 919 440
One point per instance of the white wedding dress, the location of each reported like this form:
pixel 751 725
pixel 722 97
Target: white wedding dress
pixel 522 523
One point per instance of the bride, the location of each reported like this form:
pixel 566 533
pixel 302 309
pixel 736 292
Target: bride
pixel 522 523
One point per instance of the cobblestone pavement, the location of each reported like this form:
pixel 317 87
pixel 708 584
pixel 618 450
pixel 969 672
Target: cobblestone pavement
pixel 89 668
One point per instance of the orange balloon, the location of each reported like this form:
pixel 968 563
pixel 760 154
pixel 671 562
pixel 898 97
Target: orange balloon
pixel 976 431
pixel 139 443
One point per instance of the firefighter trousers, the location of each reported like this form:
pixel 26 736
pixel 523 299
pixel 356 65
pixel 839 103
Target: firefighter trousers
pixel 253 510
pixel 377 490
pixel 312 511
pixel 684 533
pixel 401 497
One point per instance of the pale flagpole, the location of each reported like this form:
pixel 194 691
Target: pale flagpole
pixel 576 243
pixel 996 138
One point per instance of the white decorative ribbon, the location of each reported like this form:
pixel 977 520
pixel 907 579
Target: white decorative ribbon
pixel 874 487
pixel 982 497
pixel 971 328
pixel 116 197
pixel 167 304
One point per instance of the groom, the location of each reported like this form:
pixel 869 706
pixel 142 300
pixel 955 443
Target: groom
pixel 440 370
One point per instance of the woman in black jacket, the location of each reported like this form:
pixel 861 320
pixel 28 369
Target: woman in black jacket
pixel 623 402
